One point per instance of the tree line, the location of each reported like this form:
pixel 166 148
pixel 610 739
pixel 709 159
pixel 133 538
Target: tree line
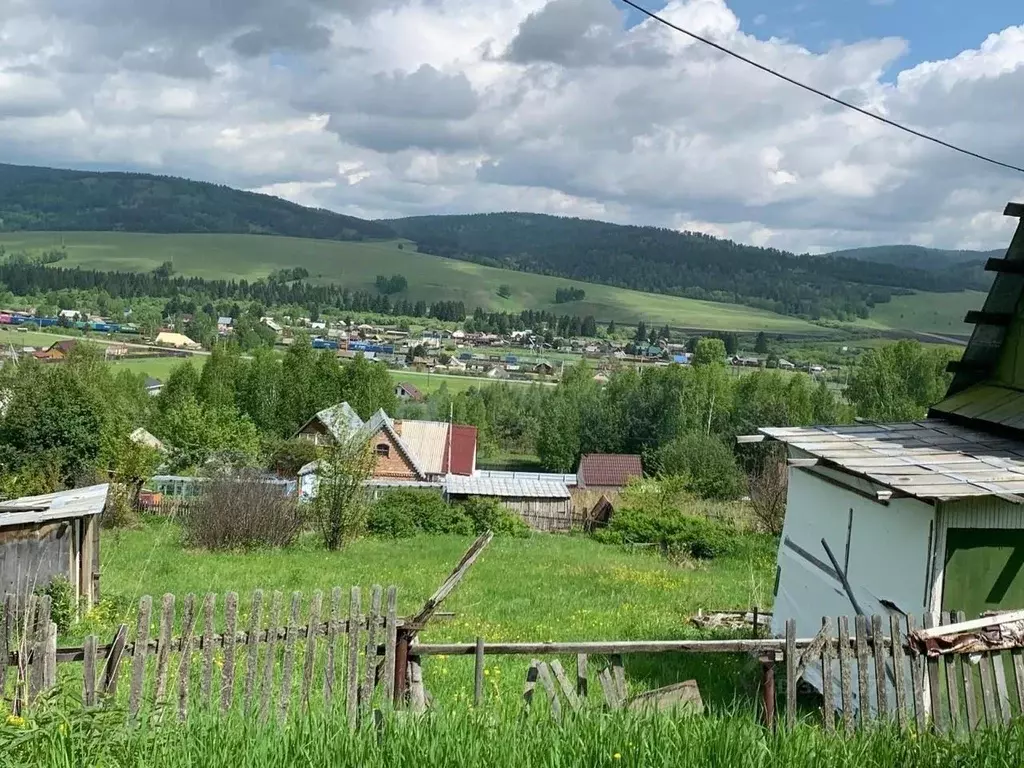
pixel 70 423
pixel 189 295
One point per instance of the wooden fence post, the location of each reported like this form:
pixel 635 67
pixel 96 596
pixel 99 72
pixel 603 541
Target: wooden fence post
pixel 227 679
pixel 828 696
pixel 139 653
pixel 791 662
pixel 846 675
pixel 768 690
pixel 478 673
pixel 352 664
pixel 370 658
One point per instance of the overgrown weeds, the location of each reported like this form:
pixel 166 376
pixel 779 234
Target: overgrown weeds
pixel 240 510
pixel 468 738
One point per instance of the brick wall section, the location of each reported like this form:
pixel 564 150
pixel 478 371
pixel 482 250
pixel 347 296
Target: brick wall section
pixel 394 465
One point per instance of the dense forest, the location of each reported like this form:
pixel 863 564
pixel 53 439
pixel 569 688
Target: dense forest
pixel 50 199
pixel 665 261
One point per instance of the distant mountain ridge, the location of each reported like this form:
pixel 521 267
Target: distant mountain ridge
pixel 916 256
pixel 845 286
pixel 41 199
pixel 689 264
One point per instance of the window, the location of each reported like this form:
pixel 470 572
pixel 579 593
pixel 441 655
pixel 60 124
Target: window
pixel 383 449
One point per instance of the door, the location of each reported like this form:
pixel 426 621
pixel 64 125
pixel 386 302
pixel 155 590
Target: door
pixel 984 570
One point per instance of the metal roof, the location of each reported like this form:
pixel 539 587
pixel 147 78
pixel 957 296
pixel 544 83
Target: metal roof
pixel 426 440
pixel 459 485
pixel 80 502
pixel 932 459
pixel 545 477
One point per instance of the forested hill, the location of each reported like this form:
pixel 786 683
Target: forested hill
pixel 666 261
pixel 51 199
pixel 917 256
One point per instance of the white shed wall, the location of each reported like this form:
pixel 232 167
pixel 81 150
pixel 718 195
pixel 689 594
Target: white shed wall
pixel 889 553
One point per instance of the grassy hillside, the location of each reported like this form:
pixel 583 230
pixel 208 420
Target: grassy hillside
pixel 53 199
pixel 926 312
pixel 355 265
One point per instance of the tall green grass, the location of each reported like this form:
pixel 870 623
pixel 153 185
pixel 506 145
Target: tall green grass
pixel 467 738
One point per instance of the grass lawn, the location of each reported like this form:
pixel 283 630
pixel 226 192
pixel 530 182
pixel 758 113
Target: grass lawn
pixel 157 367
pixel 357 265
pixel 431 382
pixel 938 313
pixel 544 587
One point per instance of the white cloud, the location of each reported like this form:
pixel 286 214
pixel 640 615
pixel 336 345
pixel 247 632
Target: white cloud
pixel 425 106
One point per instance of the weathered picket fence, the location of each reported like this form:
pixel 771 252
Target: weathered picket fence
pixel 947 674
pixel 272 659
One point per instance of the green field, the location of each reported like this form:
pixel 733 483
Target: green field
pixel 157 367
pixel 357 264
pixel 544 587
pixel 938 313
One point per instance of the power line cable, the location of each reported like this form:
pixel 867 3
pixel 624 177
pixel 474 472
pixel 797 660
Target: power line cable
pixel 817 92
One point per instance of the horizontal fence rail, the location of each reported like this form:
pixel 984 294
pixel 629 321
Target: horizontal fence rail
pixel 274 654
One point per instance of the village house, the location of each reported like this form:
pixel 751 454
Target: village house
pixel 406 450
pixel 920 517
pixel 408 392
pixel 178 340
pixel 57 351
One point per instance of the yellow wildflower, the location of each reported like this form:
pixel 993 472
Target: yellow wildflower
pixel 15 721
pixel 616 756
pixel 487 672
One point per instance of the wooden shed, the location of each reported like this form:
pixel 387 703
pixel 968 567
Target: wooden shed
pixel 544 505
pixel 922 517
pixel 57 534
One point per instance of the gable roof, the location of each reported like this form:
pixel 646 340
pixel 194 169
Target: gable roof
pixel 427 441
pixel 64 345
pixel 340 421
pixel 614 469
pixel 380 421
pixel 987 390
pixel 411 390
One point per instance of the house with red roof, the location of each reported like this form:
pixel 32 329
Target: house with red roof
pixel 407 450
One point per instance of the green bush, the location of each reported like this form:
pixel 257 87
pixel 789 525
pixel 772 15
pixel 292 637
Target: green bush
pixel 707 462
pixel 63 604
pixel 402 513
pixel 489 514
pixel 672 531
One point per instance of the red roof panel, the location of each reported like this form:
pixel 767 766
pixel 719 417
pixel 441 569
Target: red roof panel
pixel 609 469
pixel 460 459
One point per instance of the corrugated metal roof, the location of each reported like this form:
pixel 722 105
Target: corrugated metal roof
pixel 932 459
pixel 426 441
pixel 80 502
pixel 544 477
pixel 458 485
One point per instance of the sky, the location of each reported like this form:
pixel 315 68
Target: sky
pixel 384 108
